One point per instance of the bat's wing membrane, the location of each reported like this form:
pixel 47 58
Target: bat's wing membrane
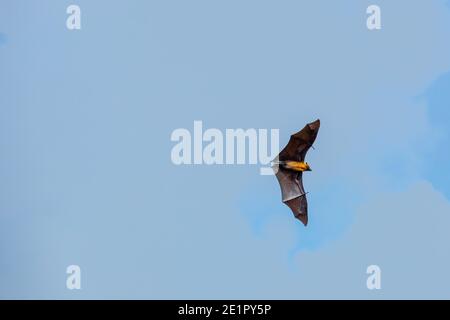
pixel 293 193
pixel 290 184
pixel 300 143
pixel 299 207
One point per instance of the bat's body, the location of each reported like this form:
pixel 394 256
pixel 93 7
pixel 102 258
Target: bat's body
pixel 295 165
pixel 289 167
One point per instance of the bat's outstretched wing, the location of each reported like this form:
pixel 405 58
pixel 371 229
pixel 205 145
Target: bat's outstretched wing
pixel 293 194
pixel 300 143
pixel 291 182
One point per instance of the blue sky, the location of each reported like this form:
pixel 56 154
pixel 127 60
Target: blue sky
pixel 86 176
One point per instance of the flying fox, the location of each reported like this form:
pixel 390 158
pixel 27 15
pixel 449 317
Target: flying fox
pixel 289 166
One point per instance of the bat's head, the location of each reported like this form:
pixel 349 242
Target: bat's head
pixel 307 167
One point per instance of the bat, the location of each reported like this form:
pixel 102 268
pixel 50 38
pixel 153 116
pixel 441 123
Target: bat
pixel 289 166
